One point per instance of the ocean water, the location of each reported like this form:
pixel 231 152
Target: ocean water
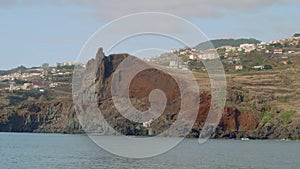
pixel 24 150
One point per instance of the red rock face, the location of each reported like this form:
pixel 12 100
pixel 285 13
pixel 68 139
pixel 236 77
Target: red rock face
pixel 146 81
pixel 150 79
pixel 234 120
pixel 141 86
pixel 247 122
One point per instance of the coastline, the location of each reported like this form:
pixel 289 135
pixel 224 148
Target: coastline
pixel 189 138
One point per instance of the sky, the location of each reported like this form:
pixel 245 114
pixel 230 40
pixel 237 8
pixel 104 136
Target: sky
pixel 33 32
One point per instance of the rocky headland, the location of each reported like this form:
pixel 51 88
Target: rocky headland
pixel 261 105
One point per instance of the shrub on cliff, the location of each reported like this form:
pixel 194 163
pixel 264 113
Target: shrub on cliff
pixel 286 116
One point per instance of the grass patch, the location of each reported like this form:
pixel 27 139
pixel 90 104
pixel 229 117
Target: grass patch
pixel 283 100
pixel 267 116
pixel 286 116
pixel 253 106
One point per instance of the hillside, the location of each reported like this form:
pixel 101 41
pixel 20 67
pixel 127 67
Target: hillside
pixel 260 105
pixel 225 42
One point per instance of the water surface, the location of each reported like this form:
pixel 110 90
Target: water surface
pixel 24 150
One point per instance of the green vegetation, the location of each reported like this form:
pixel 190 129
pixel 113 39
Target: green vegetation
pixel 277 45
pixel 253 106
pixel 283 100
pixel 20 81
pixel 20 96
pixel 296 35
pixel 14 70
pixel 196 65
pixel 286 116
pixel 267 116
pixel 268 67
pixel 62 78
pixel 3 72
pixel 70 68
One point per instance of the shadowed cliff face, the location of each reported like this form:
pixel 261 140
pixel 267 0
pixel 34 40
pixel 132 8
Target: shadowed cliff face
pixel 41 116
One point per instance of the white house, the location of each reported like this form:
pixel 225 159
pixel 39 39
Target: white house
pixel 258 67
pixel 278 51
pixel 182 53
pixel 208 55
pixel 248 47
pixel 193 56
pixel 239 67
pixel 229 48
pixel 27 86
pixel 147 124
pixel 173 64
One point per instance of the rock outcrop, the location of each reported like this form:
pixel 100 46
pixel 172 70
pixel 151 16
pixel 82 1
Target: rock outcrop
pixel 57 116
pixel 233 121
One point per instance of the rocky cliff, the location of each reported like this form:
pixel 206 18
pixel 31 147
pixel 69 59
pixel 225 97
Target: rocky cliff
pixel 56 116
pixel 253 107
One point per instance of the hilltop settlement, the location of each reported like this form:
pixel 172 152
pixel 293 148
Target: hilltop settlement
pixel 237 55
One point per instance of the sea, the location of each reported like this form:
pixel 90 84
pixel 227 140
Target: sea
pixel 51 151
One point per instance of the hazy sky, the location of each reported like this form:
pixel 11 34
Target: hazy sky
pixel 33 32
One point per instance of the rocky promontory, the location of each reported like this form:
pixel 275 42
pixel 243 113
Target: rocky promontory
pixel 258 106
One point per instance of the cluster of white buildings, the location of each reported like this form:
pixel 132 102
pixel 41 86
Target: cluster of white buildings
pixel 193 54
pixel 57 72
pixel 206 55
pixel 56 84
pixel 295 40
pixel 246 47
pixel 31 86
pixel 14 76
pixel 176 64
pixel 25 76
pixel 70 64
pixel 40 72
pixel 25 86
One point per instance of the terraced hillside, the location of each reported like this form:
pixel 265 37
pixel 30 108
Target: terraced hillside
pixel 273 98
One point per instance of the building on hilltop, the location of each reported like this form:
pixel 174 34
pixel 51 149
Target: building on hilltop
pixel 193 56
pixel 228 48
pixel 239 67
pixel 247 47
pixel 27 86
pixel 208 55
pixel 278 51
pixel 261 67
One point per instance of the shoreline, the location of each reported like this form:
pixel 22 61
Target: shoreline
pixel 189 138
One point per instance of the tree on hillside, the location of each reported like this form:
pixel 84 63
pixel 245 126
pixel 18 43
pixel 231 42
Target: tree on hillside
pixel 296 35
pixel 268 67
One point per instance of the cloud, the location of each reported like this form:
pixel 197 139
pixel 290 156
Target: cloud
pixel 240 13
pixel 112 9
pixel 185 8
pixel 245 15
pixel 4 4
